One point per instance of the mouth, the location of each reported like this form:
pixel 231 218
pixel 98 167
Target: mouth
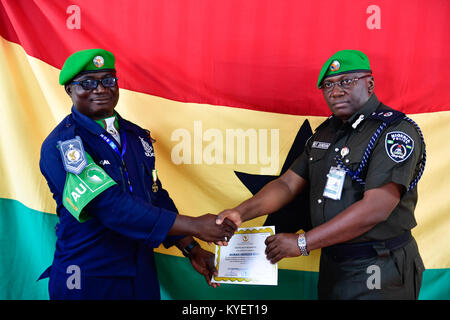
pixel 340 104
pixel 101 100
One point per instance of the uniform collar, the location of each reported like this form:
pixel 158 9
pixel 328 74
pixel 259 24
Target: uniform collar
pixel 93 126
pixel 362 114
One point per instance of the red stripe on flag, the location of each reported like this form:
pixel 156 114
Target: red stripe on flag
pixel 257 54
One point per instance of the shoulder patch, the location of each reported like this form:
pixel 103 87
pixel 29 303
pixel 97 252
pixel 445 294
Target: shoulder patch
pixel 73 155
pixel 399 146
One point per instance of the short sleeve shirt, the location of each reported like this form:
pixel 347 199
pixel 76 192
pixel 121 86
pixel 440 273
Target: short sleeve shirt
pixel 395 157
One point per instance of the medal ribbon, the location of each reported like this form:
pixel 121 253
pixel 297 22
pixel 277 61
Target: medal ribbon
pixel 155 178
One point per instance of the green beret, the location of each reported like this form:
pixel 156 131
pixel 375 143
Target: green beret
pixel 344 61
pixel 90 60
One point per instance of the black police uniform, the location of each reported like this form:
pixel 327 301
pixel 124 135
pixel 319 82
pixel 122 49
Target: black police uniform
pixel 395 154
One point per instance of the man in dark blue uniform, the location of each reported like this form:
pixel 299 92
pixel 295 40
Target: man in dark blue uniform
pixel 111 205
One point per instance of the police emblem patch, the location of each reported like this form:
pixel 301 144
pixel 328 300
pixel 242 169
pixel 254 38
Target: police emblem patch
pixel 72 153
pixel 399 146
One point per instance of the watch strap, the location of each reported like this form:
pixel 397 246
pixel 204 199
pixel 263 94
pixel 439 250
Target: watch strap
pixel 301 242
pixel 187 250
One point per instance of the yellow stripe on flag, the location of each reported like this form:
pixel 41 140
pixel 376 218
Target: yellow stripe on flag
pixel 194 153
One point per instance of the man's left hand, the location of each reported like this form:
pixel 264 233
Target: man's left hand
pixel 282 245
pixel 203 262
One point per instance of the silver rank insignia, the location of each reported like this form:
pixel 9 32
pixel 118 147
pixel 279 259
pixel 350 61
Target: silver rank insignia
pixel 72 153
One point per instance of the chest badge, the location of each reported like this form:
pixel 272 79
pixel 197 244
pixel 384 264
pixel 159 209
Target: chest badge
pixel 345 151
pixel 147 148
pixel 399 146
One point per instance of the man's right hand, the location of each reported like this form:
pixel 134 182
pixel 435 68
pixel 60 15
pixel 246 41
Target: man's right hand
pixel 208 230
pixel 231 215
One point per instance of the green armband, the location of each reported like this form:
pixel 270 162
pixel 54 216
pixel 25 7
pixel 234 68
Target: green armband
pixel 80 189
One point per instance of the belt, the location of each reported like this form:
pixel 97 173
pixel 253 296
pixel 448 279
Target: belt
pixel 344 251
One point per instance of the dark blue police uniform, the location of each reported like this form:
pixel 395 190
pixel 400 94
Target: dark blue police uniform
pixel 113 250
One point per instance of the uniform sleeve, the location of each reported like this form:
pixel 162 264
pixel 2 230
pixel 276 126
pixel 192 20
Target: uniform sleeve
pixel 301 164
pixel 396 157
pixel 161 198
pixel 132 217
pixel 164 201
pixel 117 210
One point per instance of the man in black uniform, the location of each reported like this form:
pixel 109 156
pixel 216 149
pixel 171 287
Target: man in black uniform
pixel 361 166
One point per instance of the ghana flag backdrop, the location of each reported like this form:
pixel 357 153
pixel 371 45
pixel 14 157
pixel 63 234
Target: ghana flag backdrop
pixel 227 89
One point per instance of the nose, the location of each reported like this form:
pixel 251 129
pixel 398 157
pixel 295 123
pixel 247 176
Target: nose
pixel 100 88
pixel 337 91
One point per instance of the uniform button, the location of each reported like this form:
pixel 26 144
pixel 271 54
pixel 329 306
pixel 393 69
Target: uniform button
pixel 347 160
pixel 319 200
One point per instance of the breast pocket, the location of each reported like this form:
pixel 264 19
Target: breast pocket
pixel 317 160
pixel 318 169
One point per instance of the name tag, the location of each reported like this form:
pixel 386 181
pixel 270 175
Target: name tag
pixel 320 145
pixel 335 183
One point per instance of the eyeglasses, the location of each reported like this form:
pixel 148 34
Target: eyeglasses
pixel 344 83
pixel 91 84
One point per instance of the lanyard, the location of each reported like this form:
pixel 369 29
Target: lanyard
pixel 113 146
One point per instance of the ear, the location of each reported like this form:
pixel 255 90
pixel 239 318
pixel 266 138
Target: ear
pixel 68 89
pixel 371 85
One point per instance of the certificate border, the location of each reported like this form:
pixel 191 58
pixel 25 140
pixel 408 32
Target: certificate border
pixel 242 231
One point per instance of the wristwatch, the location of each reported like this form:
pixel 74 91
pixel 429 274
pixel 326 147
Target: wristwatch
pixel 301 242
pixel 187 250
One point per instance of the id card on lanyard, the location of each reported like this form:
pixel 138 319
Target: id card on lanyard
pixel 335 183
pixel 113 146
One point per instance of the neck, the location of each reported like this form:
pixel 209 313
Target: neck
pixel 102 117
pixel 102 122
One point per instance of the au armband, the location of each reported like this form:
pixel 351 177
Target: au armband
pixel 80 188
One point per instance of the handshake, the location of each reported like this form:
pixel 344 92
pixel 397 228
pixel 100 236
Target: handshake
pixel 210 228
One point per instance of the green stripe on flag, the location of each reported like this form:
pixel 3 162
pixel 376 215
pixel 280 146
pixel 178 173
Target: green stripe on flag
pixel 27 244
pixel 27 239
pixel 179 281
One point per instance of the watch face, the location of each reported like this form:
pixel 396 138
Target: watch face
pixel 301 242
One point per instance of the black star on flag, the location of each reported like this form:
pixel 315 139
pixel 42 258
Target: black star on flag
pixel 295 215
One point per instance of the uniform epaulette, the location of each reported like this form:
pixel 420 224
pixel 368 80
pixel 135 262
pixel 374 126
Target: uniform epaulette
pixel 387 115
pixel 149 135
pixel 324 123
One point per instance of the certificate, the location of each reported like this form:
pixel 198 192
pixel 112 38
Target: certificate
pixel 244 260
